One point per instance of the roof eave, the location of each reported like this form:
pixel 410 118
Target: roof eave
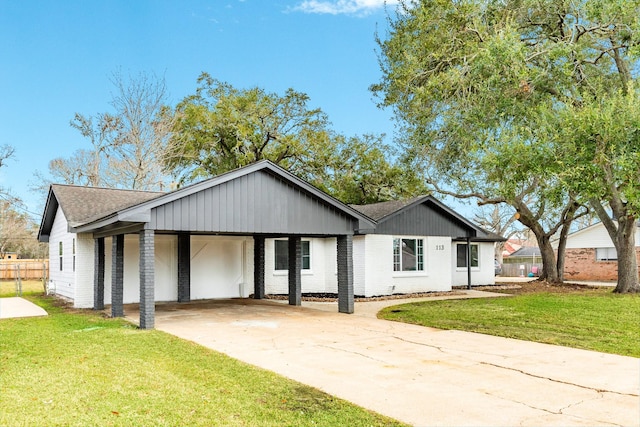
pixel 95 225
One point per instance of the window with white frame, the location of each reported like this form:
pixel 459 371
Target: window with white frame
pixel 73 252
pixel 60 254
pixel 282 255
pixel 461 255
pixel 606 254
pixel 408 254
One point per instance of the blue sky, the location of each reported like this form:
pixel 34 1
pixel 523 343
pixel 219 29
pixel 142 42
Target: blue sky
pixel 58 56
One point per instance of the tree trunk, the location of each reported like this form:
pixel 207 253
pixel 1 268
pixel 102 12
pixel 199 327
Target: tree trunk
pixel 562 246
pixel 549 263
pixel 627 261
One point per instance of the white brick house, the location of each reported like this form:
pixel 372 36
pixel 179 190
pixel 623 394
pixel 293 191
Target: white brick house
pixel 254 230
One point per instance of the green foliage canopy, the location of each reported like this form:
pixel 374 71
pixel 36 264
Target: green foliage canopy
pixel 221 128
pixel 499 99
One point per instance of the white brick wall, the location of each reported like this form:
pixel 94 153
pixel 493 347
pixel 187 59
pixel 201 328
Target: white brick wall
pixel 84 270
pixel 63 280
pixel 378 264
pixel 359 266
pixel 219 266
pixel 248 267
pixel 320 278
pixel 380 279
pixel 484 274
pixel 331 265
pixel 166 268
pixel 372 268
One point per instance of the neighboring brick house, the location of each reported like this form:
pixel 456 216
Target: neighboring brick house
pixel 591 255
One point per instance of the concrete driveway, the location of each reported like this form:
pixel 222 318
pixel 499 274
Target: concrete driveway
pixel 418 375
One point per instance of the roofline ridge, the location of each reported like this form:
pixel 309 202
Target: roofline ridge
pixel 106 188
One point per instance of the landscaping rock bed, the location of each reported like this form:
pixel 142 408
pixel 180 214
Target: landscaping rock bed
pixel 329 297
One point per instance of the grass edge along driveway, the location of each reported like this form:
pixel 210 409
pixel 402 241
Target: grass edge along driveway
pixel 75 367
pixel 592 319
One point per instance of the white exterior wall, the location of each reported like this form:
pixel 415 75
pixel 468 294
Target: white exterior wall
pixel 359 265
pixel 595 236
pixel 165 275
pixel 166 267
pixel 221 267
pixel 484 274
pixel 331 264
pixel 84 270
pixel 248 285
pixel 378 274
pixel 321 278
pixel 372 267
pixel 63 280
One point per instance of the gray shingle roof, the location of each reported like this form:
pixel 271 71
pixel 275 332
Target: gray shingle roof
pixel 377 211
pixel 84 204
pixel 526 251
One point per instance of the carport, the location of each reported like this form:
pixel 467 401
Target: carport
pixel 261 200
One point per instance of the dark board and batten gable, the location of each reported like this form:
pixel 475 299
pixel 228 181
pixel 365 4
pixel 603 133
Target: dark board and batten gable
pixel 420 216
pixel 423 220
pixel 261 203
pixel 261 198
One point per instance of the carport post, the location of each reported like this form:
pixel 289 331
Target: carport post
pixel 345 274
pixel 295 270
pixel 117 275
pixel 98 274
pixel 258 267
pixel 147 276
pixel 184 267
pixel 468 263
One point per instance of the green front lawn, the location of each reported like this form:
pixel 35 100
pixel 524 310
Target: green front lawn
pixel 592 319
pixel 83 369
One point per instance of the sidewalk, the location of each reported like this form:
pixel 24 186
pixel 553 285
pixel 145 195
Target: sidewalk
pixel 19 307
pixel 371 308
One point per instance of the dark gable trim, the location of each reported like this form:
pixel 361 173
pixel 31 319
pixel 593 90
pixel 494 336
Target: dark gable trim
pixel 48 217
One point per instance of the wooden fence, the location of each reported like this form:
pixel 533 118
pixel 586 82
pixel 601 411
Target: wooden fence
pixel 25 269
pixel 520 269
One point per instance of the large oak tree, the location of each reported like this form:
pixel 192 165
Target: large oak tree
pixel 221 127
pixel 510 102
